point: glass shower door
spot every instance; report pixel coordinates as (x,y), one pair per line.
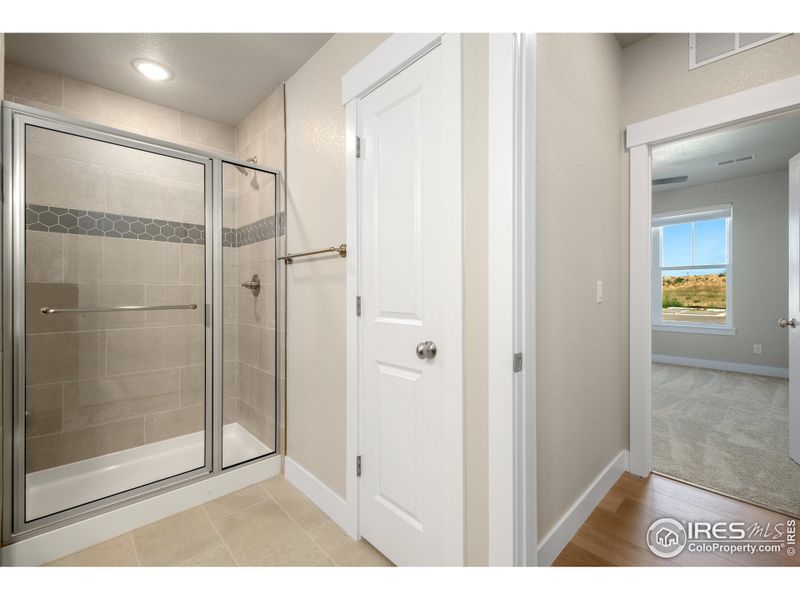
(115,387)
(251,227)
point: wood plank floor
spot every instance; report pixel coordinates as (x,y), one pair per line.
(614,534)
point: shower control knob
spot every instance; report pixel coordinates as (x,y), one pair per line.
(426,350)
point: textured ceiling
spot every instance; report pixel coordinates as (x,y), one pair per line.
(221,77)
(774,141)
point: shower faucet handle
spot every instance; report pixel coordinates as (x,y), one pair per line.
(254,285)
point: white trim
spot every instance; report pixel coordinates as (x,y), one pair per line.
(761,101)
(396,53)
(392,56)
(501,302)
(63,541)
(511,327)
(640,308)
(352,320)
(453,380)
(328,501)
(772,97)
(701,329)
(693,215)
(566,528)
(719,365)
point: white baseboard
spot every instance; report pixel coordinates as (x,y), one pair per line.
(720,365)
(55,544)
(558,537)
(328,501)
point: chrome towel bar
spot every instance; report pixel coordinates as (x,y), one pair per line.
(341,250)
(51,311)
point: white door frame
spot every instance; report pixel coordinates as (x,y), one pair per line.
(760,101)
(513,536)
(396,53)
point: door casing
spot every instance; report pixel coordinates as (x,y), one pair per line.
(758,102)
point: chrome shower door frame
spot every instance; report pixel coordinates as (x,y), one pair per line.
(15,118)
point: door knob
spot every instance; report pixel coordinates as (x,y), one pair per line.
(787,323)
(426,350)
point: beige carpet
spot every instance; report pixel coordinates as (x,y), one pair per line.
(726,431)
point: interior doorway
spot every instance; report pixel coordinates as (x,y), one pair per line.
(720,256)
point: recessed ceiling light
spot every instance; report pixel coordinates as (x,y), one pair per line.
(152,70)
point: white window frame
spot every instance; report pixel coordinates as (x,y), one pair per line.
(694,215)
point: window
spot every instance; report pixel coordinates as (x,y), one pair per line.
(692,270)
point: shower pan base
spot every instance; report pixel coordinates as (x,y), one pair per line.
(59,488)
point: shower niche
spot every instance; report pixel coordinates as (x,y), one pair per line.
(137,357)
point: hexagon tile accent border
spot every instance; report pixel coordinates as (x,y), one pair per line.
(55,219)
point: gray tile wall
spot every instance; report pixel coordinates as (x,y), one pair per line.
(261,134)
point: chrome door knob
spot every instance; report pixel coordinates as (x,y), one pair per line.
(787,323)
(426,350)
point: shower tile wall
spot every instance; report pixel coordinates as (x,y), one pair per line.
(248,370)
(262,135)
(145,386)
(53,92)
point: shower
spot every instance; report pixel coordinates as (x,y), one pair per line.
(135,362)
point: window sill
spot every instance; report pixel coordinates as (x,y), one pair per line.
(704,329)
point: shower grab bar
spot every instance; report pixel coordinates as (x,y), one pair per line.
(50,311)
(341,250)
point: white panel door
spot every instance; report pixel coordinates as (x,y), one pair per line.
(794,308)
(404,496)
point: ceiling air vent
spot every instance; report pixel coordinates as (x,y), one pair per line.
(705,48)
(736,161)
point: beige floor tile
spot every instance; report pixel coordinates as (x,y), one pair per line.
(175,539)
(263,535)
(294,502)
(227,505)
(116,552)
(344,550)
(218,556)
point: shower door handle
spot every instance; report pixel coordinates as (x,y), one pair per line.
(89,309)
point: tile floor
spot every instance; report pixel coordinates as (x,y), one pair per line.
(268,524)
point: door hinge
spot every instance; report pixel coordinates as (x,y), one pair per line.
(359,143)
(518,362)
(358,466)
(358,306)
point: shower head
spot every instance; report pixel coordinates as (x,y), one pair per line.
(242,170)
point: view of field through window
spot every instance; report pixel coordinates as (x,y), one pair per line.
(694,272)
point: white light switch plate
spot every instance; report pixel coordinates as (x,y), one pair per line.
(599,292)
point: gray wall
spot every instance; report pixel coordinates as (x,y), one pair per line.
(582,409)
(315,217)
(760,267)
(316,428)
